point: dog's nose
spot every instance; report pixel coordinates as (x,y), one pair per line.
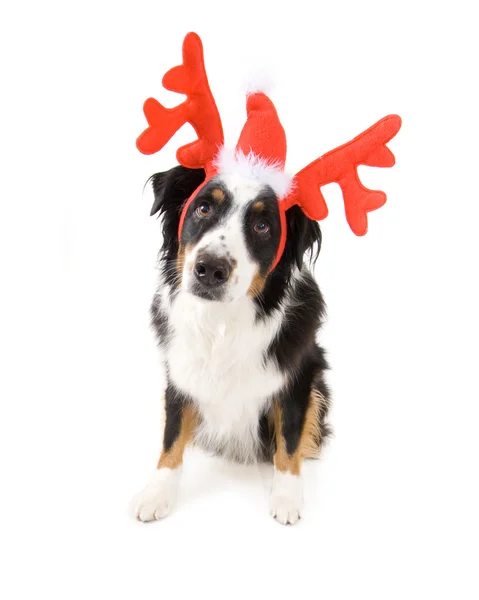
(212,271)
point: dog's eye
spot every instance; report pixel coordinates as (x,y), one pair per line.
(261,227)
(203,209)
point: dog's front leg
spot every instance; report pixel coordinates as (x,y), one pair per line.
(298,425)
(286,501)
(156,500)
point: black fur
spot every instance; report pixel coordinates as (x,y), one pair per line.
(295,399)
(263,247)
(303,237)
(194,226)
(174,403)
(295,348)
(171,190)
(298,332)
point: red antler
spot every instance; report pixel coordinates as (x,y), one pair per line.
(340,166)
(199,109)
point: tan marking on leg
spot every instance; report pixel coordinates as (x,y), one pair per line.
(310,440)
(257,285)
(218,195)
(282,460)
(173,458)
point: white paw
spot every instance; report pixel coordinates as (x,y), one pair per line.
(286,502)
(156,500)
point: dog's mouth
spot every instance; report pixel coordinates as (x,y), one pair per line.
(205,293)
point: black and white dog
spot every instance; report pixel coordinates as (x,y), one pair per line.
(245,374)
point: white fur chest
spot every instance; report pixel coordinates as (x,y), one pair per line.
(216,355)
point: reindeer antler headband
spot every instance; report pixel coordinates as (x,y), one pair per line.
(261,149)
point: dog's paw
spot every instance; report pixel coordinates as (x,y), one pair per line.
(156,500)
(286,502)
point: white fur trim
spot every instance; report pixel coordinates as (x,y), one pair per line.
(251,166)
(258,80)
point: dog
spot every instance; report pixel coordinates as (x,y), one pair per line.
(245,374)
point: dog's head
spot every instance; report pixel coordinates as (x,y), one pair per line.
(230,234)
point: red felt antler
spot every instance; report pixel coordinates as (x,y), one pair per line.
(199,109)
(340,166)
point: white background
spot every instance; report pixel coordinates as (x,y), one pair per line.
(392,508)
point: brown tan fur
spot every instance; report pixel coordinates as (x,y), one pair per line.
(309,442)
(183,252)
(218,195)
(174,457)
(257,285)
(311,438)
(180,262)
(258,206)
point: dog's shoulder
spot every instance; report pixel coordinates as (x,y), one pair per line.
(302,315)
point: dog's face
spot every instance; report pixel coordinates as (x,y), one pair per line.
(229,239)
(230,235)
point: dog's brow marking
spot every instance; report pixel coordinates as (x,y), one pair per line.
(258,206)
(218,195)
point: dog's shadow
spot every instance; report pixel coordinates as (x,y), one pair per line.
(205,475)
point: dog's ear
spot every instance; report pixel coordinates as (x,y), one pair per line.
(303,235)
(171,190)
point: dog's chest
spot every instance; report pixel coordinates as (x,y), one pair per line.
(216,355)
